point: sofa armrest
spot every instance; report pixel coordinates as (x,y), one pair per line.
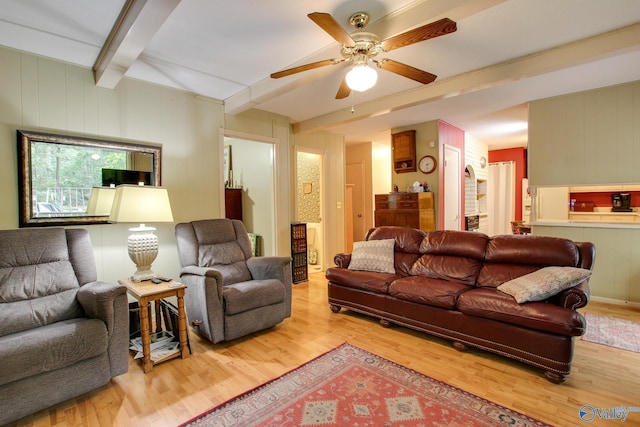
(98,301)
(203,300)
(199,276)
(573,298)
(201,271)
(274,267)
(270,267)
(108,302)
(342,260)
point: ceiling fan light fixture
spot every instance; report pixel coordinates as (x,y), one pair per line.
(361,77)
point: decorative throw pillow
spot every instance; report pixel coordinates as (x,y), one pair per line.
(543,283)
(373,255)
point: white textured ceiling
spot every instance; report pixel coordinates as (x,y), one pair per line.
(504,54)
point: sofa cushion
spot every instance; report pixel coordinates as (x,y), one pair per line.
(244,296)
(544,283)
(38,284)
(228,259)
(407,247)
(455,243)
(457,269)
(492,304)
(451,255)
(425,290)
(510,256)
(408,240)
(224,247)
(364,280)
(34,263)
(373,255)
(23,315)
(51,347)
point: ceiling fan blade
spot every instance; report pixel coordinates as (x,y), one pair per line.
(305,67)
(406,71)
(331,26)
(344,90)
(426,32)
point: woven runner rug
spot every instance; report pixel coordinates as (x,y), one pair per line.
(349,386)
(620,333)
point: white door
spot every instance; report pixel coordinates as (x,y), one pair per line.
(452,203)
(355,177)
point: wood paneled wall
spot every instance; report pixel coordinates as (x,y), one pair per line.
(592,138)
(616,269)
(586,138)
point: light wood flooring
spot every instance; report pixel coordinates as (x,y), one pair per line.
(178,390)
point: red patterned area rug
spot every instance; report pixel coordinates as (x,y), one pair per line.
(620,333)
(349,386)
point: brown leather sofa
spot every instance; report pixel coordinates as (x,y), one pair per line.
(445,284)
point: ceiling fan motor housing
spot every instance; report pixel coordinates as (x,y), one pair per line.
(359,20)
(365,44)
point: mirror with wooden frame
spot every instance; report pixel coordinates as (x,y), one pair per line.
(58,173)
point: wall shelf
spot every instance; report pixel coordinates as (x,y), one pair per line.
(403,149)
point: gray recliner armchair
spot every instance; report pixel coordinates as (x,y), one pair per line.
(230,293)
(62,332)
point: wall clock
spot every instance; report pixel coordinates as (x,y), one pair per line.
(483,162)
(427,164)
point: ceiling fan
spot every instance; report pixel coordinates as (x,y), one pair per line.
(362,47)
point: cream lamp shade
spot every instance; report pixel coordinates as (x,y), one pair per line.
(100,201)
(141,204)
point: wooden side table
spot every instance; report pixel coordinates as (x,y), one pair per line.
(147,291)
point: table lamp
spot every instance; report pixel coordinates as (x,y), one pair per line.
(141,204)
(100,201)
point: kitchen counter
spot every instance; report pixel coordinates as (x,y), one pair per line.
(605,217)
(584,223)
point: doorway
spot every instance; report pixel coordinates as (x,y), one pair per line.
(452,172)
(355,177)
(248,166)
(502,194)
(310,204)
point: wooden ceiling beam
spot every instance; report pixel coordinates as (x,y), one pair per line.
(136,25)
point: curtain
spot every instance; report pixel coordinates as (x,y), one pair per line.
(501,197)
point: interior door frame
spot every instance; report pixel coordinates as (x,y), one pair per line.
(228,133)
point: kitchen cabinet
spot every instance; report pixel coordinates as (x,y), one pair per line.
(413,210)
(553,203)
(403,149)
